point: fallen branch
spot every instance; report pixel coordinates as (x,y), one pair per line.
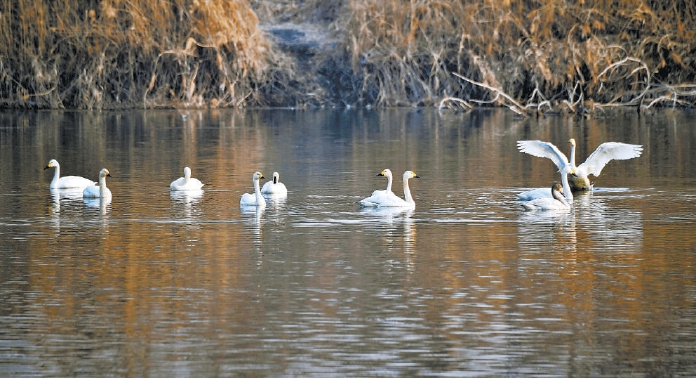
(516,107)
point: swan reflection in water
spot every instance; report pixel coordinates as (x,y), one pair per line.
(103,204)
(252,218)
(388,220)
(187,201)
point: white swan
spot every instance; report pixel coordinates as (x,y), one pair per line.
(275,188)
(380,195)
(390,199)
(66,182)
(594,164)
(186,182)
(255,199)
(556,202)
(99,191)
(566,173)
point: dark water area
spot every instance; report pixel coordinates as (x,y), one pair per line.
(468,284)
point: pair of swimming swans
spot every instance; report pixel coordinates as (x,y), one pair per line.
(90,189)
(273,189)
(386,198)
(579,175)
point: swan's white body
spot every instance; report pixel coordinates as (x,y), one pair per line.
(533,194)
(186,182)
(594,164)
(385,198)
(99,191)
(255,199)
(275,188)
(380,195)
(66,182)
(556,202)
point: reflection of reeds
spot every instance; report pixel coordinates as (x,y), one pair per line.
(192,53)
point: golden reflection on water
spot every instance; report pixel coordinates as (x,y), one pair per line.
(165,283)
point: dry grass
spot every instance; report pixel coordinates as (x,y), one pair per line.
(122,53)
(544,54)
(531,56)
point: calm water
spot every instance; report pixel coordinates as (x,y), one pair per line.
(468,284)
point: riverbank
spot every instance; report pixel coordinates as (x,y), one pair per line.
(531,57)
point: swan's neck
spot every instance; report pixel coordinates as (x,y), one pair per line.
(257,193)
(572,155)
(566,187)
(557,196)
(407,193)
(275,179)
(102,186)
(56,176)
(187,177)
(389,183)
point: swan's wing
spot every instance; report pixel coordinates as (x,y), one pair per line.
(543,149)
(607,152)
(534,194)
(382,198)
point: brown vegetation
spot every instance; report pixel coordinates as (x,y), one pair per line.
(529,56)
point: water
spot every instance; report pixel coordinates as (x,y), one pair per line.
(468,284)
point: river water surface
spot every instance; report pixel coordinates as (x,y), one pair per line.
(467,284)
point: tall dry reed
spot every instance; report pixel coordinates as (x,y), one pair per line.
(530,56)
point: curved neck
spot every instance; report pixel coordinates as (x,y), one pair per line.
(102,185)
(557,196)
(56,176)
(257,191)
(566,187)
(407,192)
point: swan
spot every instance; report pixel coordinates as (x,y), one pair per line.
(275,188)
(390,199)
(556,202)
(566,173)
(186,182)
(255,199)
(66,182)
(378,195)
(594,164)
(99,191)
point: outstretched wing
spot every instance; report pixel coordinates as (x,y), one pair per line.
(607,152)
(545,150)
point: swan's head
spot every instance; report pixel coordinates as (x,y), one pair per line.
(104,173)
(257,176)
(187,172)
(52,164)
(385,173)
(572,141)
(276,177)
(410,175)
(557,191)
